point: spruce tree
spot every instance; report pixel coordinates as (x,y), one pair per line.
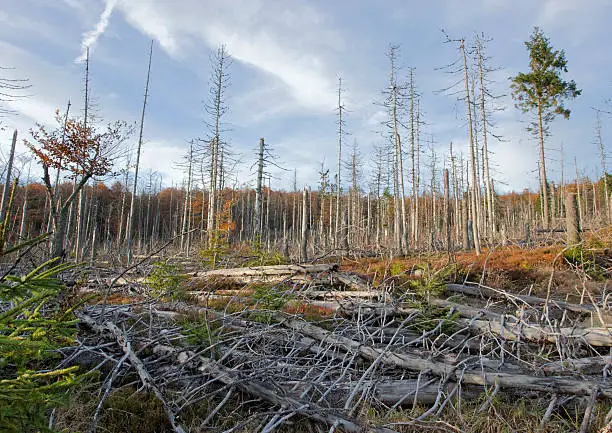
(542,92)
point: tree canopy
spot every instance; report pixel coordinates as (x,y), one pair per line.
(543,88)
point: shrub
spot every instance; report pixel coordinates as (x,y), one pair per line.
(260,256)
(166,278)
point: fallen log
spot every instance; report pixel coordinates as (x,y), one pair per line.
(531,300)
(522,331)
(590,365)
(391,392)
(308,294)
(281,398)
(562,385)
(267,271)
(512,329)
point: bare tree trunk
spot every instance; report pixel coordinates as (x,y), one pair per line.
(305,227)
(447,213)
(218,109)
(572,220)
(464,222)
(474,195)
(339,177)
(135,185)
(418,174)
(543,178)
(398,170)
(258,190)
(186,208)
(7,183)
(579,199)
(485,151)
(604,175)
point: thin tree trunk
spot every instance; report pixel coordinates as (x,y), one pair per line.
(339,172)
(135,185)
(258,205)
(305,220)
(7,183)
(475,203)
(543,179)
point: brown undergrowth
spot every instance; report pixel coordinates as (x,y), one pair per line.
(510,268)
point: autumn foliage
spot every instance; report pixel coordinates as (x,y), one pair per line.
(79,149)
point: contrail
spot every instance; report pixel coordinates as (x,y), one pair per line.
(91,37)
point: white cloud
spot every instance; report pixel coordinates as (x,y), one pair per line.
(90,38)
(288,42)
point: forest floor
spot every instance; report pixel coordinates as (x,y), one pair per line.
(514,339)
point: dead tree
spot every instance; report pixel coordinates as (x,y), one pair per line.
(604,173)
(216,108)
(341,132)
(305,226)
(394,105)
(572,219)
(9,173)
(475,204)
(138,149)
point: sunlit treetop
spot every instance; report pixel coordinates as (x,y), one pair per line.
(543,87)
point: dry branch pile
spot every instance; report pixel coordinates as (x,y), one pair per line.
(396,350)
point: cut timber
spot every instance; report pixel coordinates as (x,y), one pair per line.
(531,300)
(562,385)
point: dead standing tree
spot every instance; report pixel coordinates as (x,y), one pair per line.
(461,67)
(216,108)
(485,108)
(394,103)
(265,158)
(341,133)
(135,185)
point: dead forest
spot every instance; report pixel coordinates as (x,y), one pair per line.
(408,295)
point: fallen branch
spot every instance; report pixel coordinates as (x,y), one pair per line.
(412,362)
(138,365)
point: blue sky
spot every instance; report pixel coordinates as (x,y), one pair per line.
(288,55)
